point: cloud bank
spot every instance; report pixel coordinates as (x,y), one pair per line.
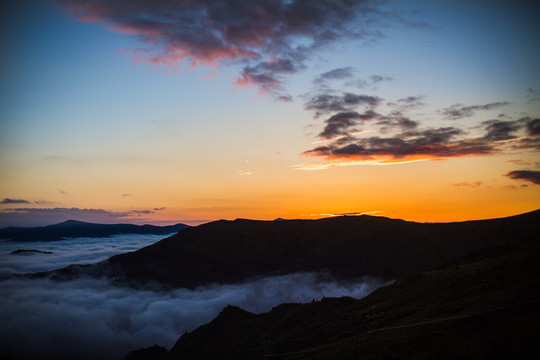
(91,319)
(66,252)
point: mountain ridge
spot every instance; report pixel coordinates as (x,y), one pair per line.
(348,247)
(76,228)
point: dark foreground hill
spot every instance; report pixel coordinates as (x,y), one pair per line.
(486,305)
(74,229)
(348,247)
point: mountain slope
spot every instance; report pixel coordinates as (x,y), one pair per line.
(233,251)
(73,229)
(484,305)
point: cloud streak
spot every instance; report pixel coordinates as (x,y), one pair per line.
(459,111)
(66,252)
(14,201)
(270,38)
(47,216)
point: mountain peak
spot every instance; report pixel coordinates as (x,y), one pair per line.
(72,222)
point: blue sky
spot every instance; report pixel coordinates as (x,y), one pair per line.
(88,124)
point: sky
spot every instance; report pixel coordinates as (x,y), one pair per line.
(191,111)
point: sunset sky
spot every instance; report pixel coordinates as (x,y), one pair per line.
(190,111)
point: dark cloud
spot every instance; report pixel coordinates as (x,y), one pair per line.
(402,138)
(371,82)
(533,127)
(160,209)
(379,78)
(326,103)
(497,130)
(459,111)
(267,76)
(211,32)
(348,74)
(285,98)
(336,74)
(426,144)
(525,175)
(342,123)
(47,216)
(522,134)
(396,120)
(14,201)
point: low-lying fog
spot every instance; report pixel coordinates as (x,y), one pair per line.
(90,318)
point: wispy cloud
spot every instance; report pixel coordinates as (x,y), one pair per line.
(355,213)
(459,111)
(14,201)
(467,184)
(326,103)
(269,38)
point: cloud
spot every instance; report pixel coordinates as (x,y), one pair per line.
(533,95)
(14,201)
(378,78)
(47,216)
(326,103)
(66,252)
(253,33)
(92,319)
(348,77)
(467,184)
(533,127)
(459,111)
(431,144)
(335,74)
(498,130)
(525,175)
(403,139)
(342,123)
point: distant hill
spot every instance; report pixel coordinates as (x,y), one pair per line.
(348,247)
(74,229)
(482,306)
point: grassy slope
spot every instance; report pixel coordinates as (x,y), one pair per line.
(485,305)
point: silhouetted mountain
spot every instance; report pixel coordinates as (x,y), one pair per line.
(74,229)
(348,247)
(29,252)
(482,306)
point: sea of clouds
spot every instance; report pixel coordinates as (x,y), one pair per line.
(91,318)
